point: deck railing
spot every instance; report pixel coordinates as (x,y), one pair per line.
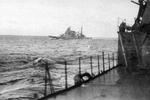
(95,65)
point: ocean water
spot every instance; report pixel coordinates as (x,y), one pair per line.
(21,78)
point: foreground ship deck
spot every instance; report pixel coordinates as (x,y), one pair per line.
(111,86)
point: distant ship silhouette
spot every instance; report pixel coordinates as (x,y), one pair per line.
(69,34)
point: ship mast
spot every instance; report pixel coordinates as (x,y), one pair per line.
(81,30)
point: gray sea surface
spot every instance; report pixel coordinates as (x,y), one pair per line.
(20,78)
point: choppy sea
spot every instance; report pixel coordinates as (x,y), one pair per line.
(20,78)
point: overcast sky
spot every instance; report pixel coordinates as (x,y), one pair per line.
(52,17)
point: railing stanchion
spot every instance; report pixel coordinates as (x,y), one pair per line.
(66,80)
(49,79)
(113,59)
(98,64)
(117,58)
(103,61)
(109,61)
(91,65)
(45,90)
(79,65)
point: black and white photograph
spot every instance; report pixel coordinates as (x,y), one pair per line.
(74,49)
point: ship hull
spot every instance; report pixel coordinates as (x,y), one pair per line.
(134,50)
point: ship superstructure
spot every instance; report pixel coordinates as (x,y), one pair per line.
(134,41)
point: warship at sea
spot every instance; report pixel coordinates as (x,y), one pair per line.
(70,34)
(80,74)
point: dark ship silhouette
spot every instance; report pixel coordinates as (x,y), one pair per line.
(69,34)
